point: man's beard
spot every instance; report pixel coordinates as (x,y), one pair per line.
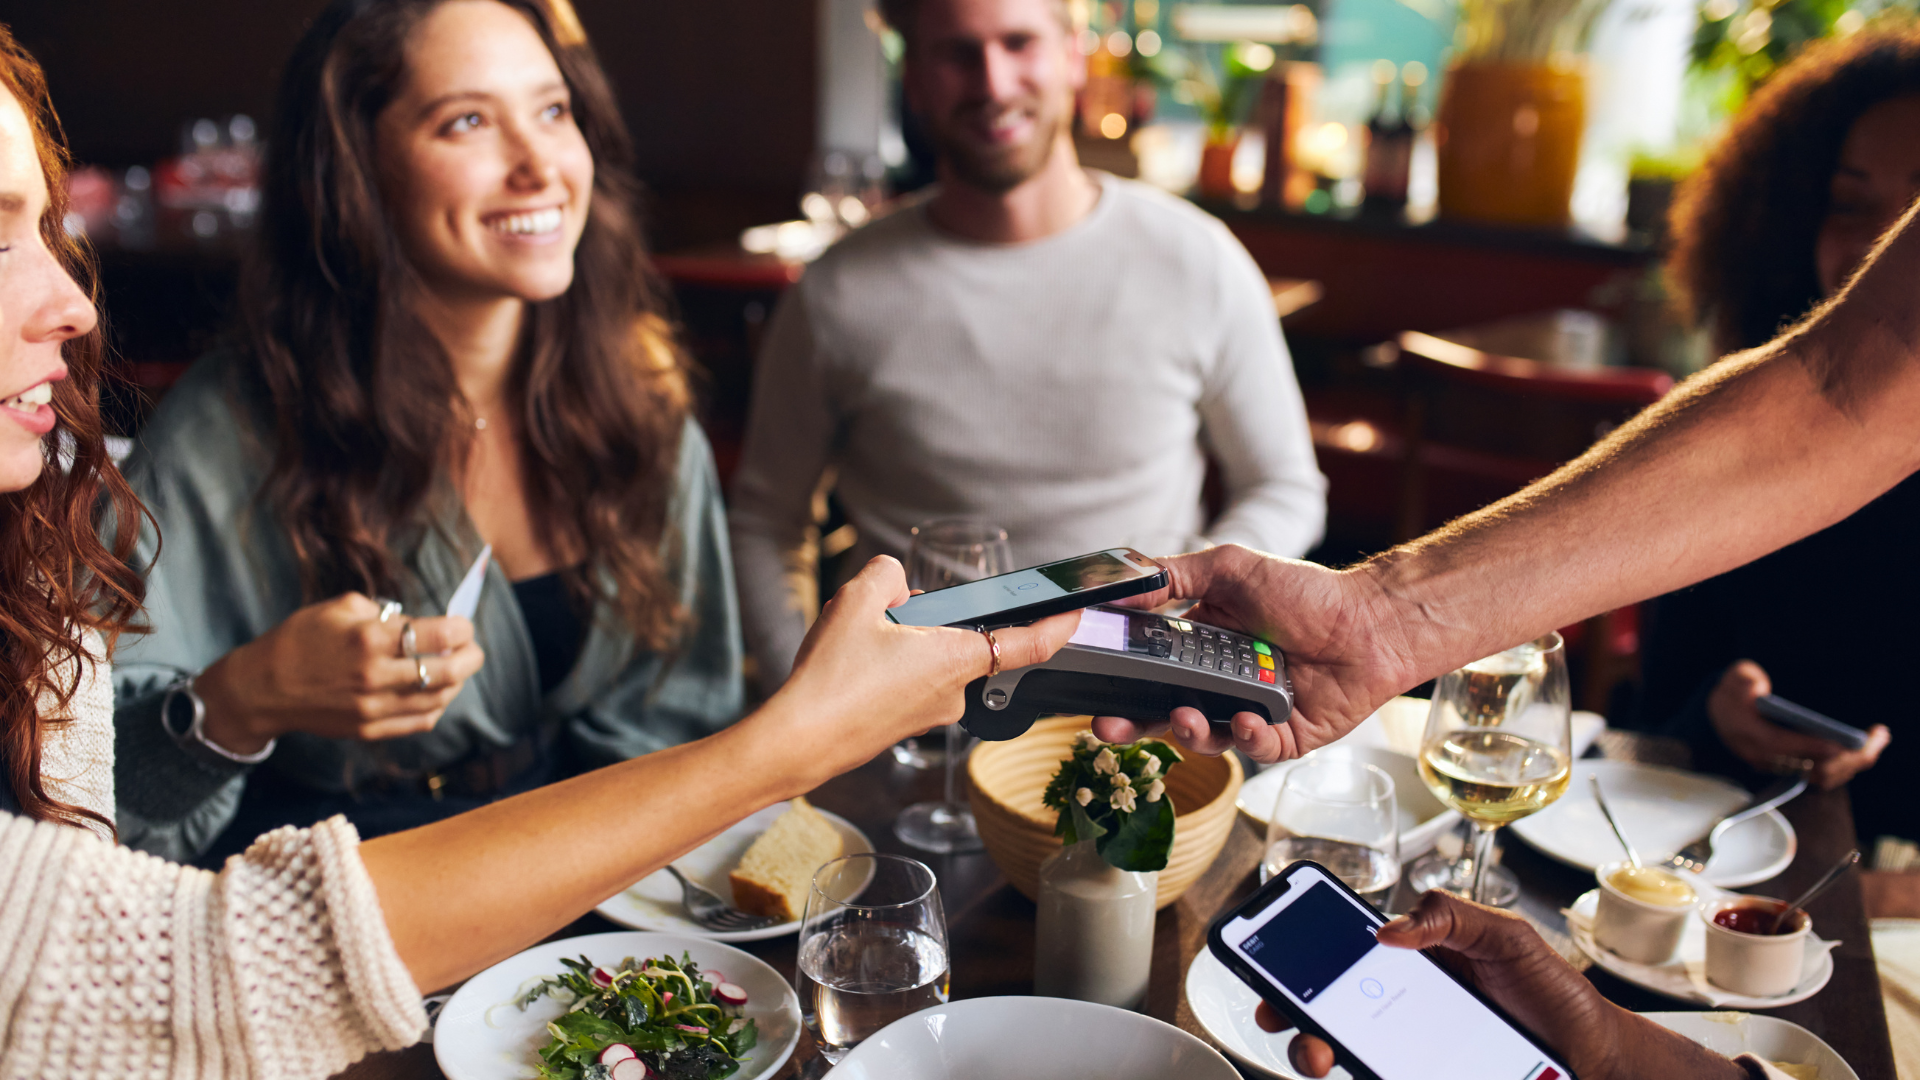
(1000,169)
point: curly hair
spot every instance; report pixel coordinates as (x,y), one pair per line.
(58,579)
(365,408)
(1746,224)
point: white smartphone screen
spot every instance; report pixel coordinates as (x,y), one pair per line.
(990,597)
(1394,1009)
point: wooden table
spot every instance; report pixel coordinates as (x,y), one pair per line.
(991,926)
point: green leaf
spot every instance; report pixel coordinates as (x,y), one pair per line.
(743,1039)
(1143,839)
(1077,825)
(1169,757)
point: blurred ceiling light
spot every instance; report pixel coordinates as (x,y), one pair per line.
(1148,43)
(816,206)
(1146,12)
(1113,125)
(1384,71)
(1329,137)
(1716,10)
(1119,43)
(1278,24)
(1089,41)
(1355,435)
(853,211)
(1414,74)
(1849,22)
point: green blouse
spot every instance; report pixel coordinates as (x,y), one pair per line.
(226,574)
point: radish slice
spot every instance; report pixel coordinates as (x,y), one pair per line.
(631,1069)
(602,978)
(666,998)
(712,978)
(692,1027)
(615,1054)
(728,994)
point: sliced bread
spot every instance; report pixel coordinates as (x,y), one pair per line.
(774,875)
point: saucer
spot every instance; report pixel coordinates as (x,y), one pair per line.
(1685,976)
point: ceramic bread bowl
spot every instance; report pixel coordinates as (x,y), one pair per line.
(1009,778)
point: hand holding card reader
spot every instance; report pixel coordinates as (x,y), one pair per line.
(1139,666)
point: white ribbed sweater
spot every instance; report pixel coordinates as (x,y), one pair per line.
(115,964)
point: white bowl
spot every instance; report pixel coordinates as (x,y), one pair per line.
(1422,817)
(1031,1036)
(1636,929)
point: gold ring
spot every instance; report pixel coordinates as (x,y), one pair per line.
(388,609)
(421,666)
(994,644)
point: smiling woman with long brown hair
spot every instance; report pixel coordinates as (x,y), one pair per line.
(453,339)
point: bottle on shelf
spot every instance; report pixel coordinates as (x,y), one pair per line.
(1390,136)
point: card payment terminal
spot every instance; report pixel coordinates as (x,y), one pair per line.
(1136,665)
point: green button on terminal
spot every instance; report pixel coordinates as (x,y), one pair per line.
(1262,648)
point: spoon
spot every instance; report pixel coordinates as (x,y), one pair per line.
(1819,887)
(1633,857)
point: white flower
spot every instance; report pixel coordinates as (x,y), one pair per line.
(1152,767)
(1155,790)
(1105,763)
(1121,781)
(1086,740)
(1083,796)
(1122,799)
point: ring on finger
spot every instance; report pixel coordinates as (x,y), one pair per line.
(409,645)
(420,665)
(388,609)
(994,644)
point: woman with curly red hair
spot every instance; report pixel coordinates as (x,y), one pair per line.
(1825,158)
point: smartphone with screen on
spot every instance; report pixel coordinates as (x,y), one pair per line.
(1034,593)
(1305,943)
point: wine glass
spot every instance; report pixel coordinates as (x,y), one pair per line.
(1341,814)
(873,948)
(1499,746)
(950,551)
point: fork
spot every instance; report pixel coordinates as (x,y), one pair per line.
(712,913)
(1697,854)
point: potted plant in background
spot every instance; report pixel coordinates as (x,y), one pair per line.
(1513,109)
(1220,96)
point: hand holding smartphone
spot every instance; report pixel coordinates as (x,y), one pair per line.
(1305,942)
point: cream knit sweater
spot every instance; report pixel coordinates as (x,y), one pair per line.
(76,755)
(115,964)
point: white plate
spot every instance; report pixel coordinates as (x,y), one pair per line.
(654,903)
(1031,1037)
(1224,1007)
(1400,723)
(1767,1037)
(470,1044)
(1422,817)
(1661,810)
(1685,976)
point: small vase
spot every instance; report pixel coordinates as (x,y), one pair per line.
(1216,167)
(1095,929)
(1509,142)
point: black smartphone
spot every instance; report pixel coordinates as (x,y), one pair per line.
(1779,710)
(1305,943)
(1036,592)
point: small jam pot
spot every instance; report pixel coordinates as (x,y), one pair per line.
(1756,964)
(1641,913)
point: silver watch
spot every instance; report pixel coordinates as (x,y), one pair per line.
(184,714)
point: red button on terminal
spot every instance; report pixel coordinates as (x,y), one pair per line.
(1266,676)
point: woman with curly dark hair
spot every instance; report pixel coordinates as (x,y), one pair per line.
(1824,159)
(453,340)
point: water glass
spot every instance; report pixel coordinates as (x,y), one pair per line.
(873,948)
(1339,813)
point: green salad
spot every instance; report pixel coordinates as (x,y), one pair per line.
(661,1018)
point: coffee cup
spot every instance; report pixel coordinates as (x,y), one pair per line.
(1641,912)
(1744,960)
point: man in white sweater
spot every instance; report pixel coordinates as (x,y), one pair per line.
(1054,350)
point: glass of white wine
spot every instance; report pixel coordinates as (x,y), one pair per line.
(1340,813)
(1499,744)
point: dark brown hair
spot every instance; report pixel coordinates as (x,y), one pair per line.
(367,424)
(1746,224)
(900,14)
(57,578)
